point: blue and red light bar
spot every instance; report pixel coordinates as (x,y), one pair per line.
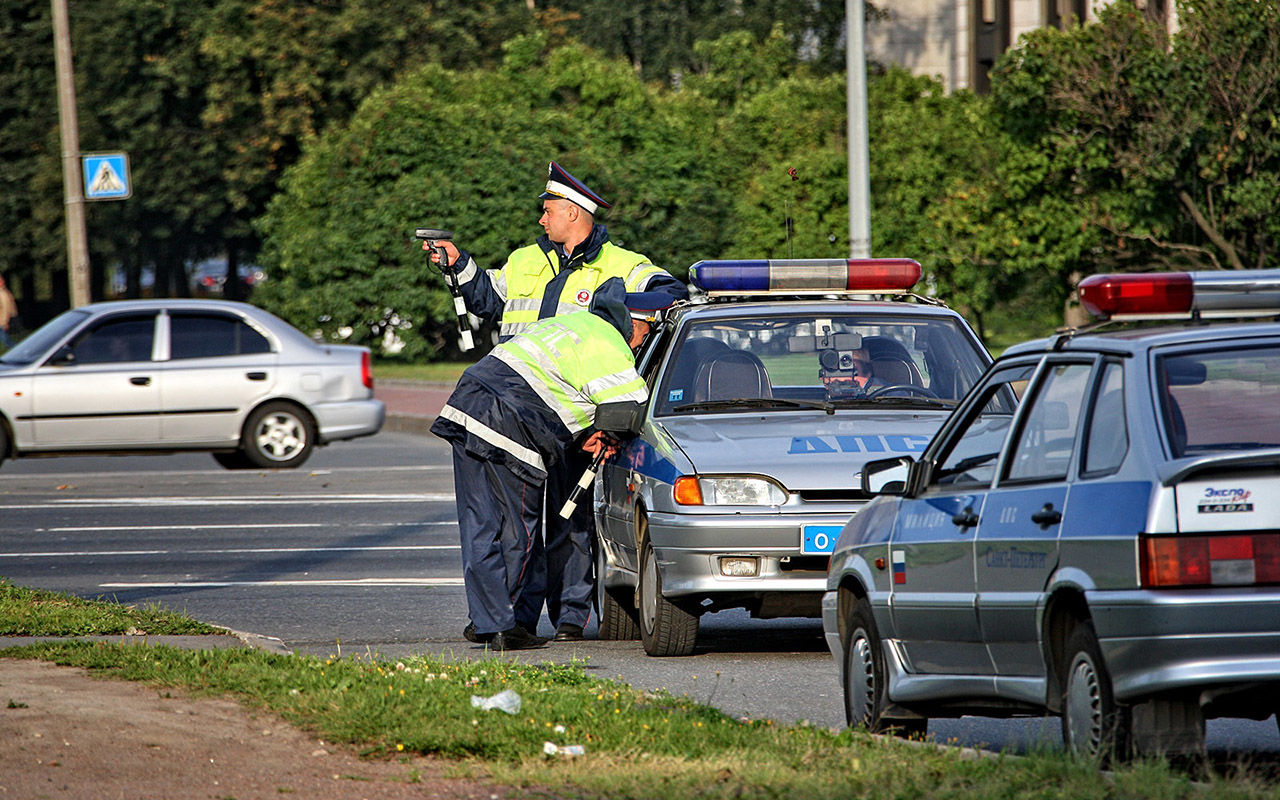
(1172,294)
(871,275)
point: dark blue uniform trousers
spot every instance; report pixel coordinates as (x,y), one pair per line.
(500,517)
(569,565)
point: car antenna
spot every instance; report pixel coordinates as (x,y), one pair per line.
(790,222)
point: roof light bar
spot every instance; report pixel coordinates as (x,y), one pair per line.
(1166,294)
(872,275)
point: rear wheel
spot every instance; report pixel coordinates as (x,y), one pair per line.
(4,443)
(666,628)
(616,607)
(277,435)
(865,682)
(1093,726)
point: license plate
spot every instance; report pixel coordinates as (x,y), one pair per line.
(818,540)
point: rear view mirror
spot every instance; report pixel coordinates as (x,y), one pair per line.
(623,416)
(831,341)
(886,476)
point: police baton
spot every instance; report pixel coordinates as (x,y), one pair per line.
(435,236)
(584,483)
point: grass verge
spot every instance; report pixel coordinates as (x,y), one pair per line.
(33,612)
(637,744)
(443,372)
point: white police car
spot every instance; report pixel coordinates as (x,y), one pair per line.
(769,390)
(1095,532)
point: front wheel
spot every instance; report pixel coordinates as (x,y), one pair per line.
(277,435)
(618,618)
(666,629)
(865,682)
(1093,726)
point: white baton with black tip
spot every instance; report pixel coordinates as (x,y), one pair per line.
(584,483)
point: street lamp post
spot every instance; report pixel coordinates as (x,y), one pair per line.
(859,177)
(73,194)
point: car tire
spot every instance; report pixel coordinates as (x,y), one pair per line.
(4,443)
(1093,726)
(615,608)
(666,629)
(277,435)
(865,680)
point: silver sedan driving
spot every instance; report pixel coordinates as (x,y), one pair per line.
(152,376)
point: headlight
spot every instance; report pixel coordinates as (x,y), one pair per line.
(692,490)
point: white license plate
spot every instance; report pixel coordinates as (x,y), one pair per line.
(816,540)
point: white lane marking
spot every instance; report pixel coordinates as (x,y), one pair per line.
(337,582)
(250,500)
(229,551)
(221,473)
(240,526)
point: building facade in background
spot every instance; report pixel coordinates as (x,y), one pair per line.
(958,41)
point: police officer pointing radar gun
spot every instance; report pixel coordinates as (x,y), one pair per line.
(511,420)
(556,275)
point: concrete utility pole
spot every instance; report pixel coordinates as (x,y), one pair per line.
(859,172)
(73,193)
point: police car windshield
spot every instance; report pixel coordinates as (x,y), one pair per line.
(1220,400)
(786,362)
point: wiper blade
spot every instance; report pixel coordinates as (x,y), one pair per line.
(753,402)
(930,402)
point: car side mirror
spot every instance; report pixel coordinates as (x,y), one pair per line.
(622,416)
(887,476)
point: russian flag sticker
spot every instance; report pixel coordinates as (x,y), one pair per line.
(899,566)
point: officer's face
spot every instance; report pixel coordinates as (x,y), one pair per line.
(639,330)
(557,218)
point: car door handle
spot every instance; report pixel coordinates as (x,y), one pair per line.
(141,380)
(256,376)
(966,518)
(1047,516)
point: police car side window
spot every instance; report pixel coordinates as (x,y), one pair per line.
(1048,434)
(1108,439)
(975,449)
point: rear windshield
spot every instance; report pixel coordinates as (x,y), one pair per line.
(1220,400)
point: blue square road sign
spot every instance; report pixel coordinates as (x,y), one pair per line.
(106,176)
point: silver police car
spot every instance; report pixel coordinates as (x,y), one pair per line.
(167,375)
(1092,534)
(769,390)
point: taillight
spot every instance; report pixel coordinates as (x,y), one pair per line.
(366,371)
(1240,559)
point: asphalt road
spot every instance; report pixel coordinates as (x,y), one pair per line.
(357,554)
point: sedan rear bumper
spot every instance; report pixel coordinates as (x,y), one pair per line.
(1188,639)
(349,420)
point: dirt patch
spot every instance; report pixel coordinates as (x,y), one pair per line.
(65,734)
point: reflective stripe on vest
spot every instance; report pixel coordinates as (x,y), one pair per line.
(573,363)
(504,443)
(529,270)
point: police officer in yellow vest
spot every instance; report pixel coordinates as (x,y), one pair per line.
(512,418)
(557,275)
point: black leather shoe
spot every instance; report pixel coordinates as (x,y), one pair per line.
(469,633)
(568,632)
(516,639)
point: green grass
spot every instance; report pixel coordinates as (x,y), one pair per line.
(638,744)
(32,612)
(398,370)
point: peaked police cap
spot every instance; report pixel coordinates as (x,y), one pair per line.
(563,186)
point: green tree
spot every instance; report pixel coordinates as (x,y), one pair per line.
(1125,149)
(467,150)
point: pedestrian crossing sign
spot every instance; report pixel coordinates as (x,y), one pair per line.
(106,176)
